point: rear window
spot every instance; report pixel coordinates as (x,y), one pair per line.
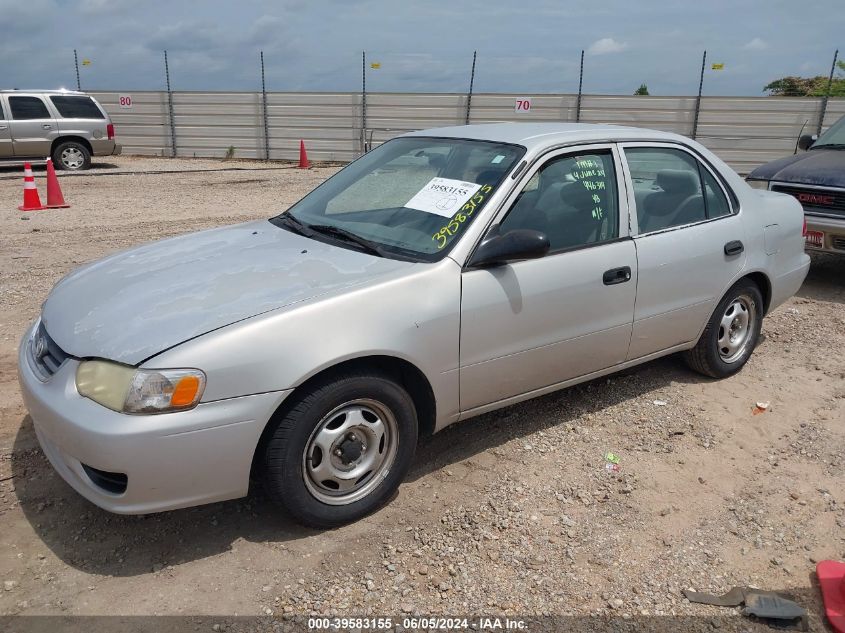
(77,107)
(24,108)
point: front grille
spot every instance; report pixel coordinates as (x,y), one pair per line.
(839,243)
(45,354)
(817,201)
(114,483)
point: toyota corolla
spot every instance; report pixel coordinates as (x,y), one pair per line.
(442,275)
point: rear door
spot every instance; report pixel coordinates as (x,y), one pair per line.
(5,135)
(32,126)
(80,115)
(533,324)
(689,240)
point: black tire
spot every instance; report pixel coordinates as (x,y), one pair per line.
(286,473)
(711,358)
(72,156)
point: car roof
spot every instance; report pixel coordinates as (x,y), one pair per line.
(532,135)
(41,91)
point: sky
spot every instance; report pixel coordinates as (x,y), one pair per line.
(528,47)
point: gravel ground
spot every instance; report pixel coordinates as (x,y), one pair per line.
(512,513)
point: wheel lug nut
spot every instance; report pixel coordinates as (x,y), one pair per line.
(338,452)
(352,437)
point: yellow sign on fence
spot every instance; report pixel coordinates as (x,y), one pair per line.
(86,62)
(375,65)
(718,67)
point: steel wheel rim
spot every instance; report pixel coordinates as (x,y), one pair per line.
(736,328)
(350,452)
(72,158)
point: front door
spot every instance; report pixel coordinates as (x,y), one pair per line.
(32,126)
(689,245)
(532,324)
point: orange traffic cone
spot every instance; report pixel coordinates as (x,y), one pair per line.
(31,201)
(303,156)
(55,199)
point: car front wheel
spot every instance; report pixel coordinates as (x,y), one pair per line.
(341,450)
(731,334)
(72,156)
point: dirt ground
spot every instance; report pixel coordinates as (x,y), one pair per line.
(512,513)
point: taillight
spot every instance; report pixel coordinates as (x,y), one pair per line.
(110,131)
(804,230)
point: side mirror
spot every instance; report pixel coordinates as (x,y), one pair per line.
(498,249)
(806,140)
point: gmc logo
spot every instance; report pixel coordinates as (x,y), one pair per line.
(815,198)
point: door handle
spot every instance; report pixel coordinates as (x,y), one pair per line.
(734,248)
(3,127)
(46,126)
(617,276)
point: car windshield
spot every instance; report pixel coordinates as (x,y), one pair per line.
(410,198)
(834,137)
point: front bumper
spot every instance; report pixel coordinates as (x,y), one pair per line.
(171,460)
(834,234)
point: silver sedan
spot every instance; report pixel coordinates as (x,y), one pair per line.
(445,274)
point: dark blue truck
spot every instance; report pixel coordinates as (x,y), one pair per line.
(817,179)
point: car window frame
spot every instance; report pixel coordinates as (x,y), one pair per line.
(524,175)
(103,115)
(44,102)
(730,196)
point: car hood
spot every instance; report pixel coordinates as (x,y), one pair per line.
(823,167)
(137,303)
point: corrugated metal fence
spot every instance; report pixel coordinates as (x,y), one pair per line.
(744,131)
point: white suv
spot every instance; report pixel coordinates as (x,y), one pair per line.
(70,127)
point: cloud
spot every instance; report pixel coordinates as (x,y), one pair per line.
(103,6)
(756,45)
(605,46)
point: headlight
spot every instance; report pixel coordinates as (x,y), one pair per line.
(130,390)
(758,184)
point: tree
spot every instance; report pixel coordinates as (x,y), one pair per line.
(808,86)
(642,90)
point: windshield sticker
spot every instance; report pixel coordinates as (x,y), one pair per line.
(443,196)
(466,211)
(498,159)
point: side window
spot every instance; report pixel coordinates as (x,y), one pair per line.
(2,115)
(76,107)
(572,199)
(672,188)
(24,108)
(667,187)
(714,198)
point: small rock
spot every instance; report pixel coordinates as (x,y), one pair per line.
(8,585)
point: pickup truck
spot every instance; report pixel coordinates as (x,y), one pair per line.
(816,178)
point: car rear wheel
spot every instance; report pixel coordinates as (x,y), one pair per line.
(72,156)
(731,334)
(341,450)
